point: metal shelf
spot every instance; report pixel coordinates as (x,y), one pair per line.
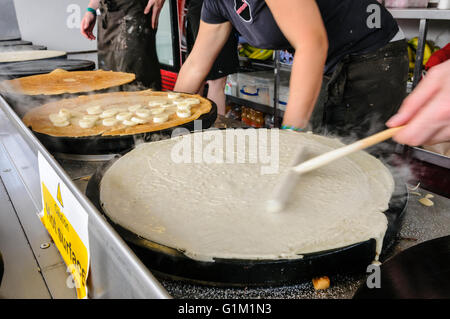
(257,106)
(425,13)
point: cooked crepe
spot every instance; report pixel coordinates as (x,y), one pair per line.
(39,119)
(29,55)
(218,210)
(61,81)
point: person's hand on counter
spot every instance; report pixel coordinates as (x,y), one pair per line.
(90,18)
(426,111)
(155,7)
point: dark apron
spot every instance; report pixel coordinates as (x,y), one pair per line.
(362,92)
(126,41)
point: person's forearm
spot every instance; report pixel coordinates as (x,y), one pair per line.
(191,77)
(305,84)
(94,4)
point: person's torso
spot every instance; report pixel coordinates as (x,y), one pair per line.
(352,26)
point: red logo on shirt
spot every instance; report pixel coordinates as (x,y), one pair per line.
(243,9)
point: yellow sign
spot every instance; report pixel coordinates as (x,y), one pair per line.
(69,244)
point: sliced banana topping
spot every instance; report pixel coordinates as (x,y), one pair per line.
(94,110)
(184,106)
(85,123)
(160,118)
(192,100)
(65,113)
(129,123)
(184,113)
(108,113)
(111,121)
(62,124)
(143,113)
(173,95)
(57,118)
(134,108)
(178,101)
(124,116)
(157,103)
(90,117)
(138,120)
(157,110)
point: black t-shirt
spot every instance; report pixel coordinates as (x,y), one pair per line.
(353,26)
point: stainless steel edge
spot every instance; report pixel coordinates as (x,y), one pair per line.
(423,13)
(115,271)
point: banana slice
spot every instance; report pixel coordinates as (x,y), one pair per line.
(65,113)
(173,95)
(138,120)
(85,123)
(184,106)
(178,101)
(157,110)
(94,110)
(157,103)
(108,113)
(90,117)
(129,123)
(62,124)
(192,100)
(134,108)
(57,118)
(184,113)
(111,121)
(124,116)
(143,113)
(160,118)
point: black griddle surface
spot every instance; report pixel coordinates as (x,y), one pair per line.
(35,67)
(22,48)
(422,271)
(14,42)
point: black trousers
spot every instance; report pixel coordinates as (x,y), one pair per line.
(126,41)
(362,93)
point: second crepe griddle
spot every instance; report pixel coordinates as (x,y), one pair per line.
(173,264)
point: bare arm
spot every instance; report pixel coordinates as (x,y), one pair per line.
(426,111)
(302,25)
(155,6)
(88,22)
(210,40)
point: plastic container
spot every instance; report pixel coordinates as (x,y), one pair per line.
(255,86)
(231,86)
(406,3)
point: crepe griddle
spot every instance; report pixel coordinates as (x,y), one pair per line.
(13,70)
(97,145)
(9,43)
(22,48)
(173,264)
(422,271)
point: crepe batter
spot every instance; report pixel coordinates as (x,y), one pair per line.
(218,210)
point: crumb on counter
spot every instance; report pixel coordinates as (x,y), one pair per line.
(321,283)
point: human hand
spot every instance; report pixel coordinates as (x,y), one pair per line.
(426,111)
(87,25)
(155,6)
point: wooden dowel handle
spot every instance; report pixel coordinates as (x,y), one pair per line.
(333,155)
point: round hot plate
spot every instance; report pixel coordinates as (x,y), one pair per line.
(422,271)
(96,145)
(172,263)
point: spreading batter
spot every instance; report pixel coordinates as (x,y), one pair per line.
(218,210)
